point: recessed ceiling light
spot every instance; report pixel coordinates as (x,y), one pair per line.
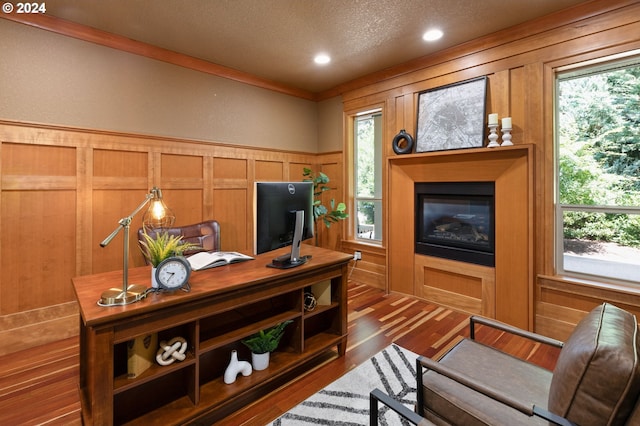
(322,59)
(432,35)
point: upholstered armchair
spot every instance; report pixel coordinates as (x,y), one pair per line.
(204,234)
(596,380)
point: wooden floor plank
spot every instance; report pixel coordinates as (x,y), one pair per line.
(39,386)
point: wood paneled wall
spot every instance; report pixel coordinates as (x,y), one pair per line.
(62,191)
(520,64)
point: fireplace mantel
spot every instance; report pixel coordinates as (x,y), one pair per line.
(503,292)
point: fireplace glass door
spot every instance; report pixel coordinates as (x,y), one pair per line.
(456,221)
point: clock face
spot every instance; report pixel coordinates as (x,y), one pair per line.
(173,273)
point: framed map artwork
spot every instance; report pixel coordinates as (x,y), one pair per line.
(452,117)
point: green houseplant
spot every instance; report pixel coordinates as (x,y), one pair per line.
(158,248)
(263,343)
(330,215)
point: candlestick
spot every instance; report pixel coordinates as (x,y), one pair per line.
(493,119)
(493,135)
(506,136)
(506,122)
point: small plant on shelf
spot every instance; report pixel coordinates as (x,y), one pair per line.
(263,343)
(266,340)
(162,246)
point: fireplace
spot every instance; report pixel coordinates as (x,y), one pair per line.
(455,220)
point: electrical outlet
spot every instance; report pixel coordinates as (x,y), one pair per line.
(357,255)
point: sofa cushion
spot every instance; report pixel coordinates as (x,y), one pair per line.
(447,402)
(597,376)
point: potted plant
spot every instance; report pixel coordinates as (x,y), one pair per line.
(263,343)
(336,213)
(162,246)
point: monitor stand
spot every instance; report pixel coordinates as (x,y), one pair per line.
(293,259)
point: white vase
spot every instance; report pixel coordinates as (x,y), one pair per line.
(260,361)
(154,283)
(236,367)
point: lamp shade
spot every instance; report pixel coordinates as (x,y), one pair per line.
(158,215)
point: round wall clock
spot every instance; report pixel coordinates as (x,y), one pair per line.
(173,273)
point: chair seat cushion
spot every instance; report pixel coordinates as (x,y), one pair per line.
(447,402)
(597,377)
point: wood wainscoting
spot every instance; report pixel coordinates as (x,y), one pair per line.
(63,190)
(503,292)
(561,302)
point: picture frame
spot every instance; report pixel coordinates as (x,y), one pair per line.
(452,117)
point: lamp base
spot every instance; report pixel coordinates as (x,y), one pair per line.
(117,297)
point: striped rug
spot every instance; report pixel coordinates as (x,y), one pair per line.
(345,402)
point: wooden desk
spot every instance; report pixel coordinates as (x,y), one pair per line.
(225,305)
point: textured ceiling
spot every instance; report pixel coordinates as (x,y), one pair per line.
(277,39)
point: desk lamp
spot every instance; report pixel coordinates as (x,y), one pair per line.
(157,215)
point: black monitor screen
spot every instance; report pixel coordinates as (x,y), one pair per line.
(276,204)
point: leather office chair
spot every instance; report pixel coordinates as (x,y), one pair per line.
(596,380)
(205,234)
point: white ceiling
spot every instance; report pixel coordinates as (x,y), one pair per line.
(277,39)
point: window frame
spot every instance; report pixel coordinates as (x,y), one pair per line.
(378,197)
(592,67)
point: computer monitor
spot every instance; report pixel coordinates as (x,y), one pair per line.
(283,217)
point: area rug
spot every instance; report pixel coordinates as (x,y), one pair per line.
(345,402)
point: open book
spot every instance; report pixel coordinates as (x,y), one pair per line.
(212,259)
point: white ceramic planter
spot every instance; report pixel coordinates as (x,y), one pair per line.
(260,361)
(154,283)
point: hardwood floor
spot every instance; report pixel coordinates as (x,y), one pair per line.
(40,385)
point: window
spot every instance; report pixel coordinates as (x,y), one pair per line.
(598,171)
(368,175)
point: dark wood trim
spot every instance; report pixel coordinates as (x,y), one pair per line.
(103,38)
(385,78)
(569,16)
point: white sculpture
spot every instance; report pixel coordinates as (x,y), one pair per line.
(236,367)
(172,351)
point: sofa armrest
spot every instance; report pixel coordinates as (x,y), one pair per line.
(510,329)
(496,394)
(411,416)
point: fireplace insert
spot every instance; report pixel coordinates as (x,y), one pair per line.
(455,220)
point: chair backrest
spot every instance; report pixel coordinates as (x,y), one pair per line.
(597,376)
(205,234)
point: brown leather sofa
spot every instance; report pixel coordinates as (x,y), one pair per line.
(205,234)
(596,380)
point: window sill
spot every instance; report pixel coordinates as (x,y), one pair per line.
(551,281)
(376,247)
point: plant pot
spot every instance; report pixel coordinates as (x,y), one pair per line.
(154,283)
(260,361)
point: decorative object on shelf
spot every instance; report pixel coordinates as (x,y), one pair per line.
(506,132)
(236,367)
(157,213)
(162,247)
(452,116)
(403,143)
(310,301)
(171,351)
(336,214)
(322,292)
(265,342)
(140,354)
(493,133)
